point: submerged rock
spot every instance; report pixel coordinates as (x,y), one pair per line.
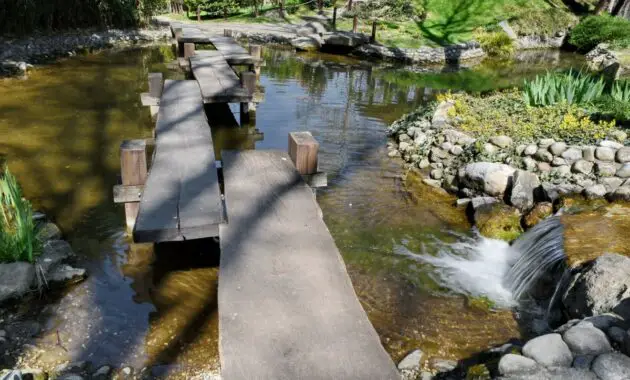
(15,279)
(307,43)
(498,221)
(48,231)
(537,214)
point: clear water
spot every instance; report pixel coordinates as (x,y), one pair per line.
(60,131)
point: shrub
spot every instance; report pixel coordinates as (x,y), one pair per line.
(570,88)
(594,30)
(18,240)
(543,21)
(389,9)
(609,108)
(495,44)
(506,113)
(621,91)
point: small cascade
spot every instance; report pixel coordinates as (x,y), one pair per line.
(540,250)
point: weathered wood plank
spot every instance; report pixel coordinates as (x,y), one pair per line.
(181,199)
(128,193)
(286,303)
(147,100)
(217,81)
(232,59)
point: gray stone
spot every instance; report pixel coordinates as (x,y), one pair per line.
(511,363)
(524,184)
(586,341)
(310,43)
(457,137)
(456,150)
(588,153)
(490,178)
(555,373)
(550,192)
(605,169)
(572,154)
(557,148)
(393,153)
(582,167)
(543,155)
(344,39)
(617,335)
(315,27)
(63,274)
(11,375)
(48,231)
(440,116)
(623,155)
(411,361)
(604,321)
(463,202)
(420,138)
(442,365)
(600,288)
(583,361)
(549,350)
(403,145)
(530,150)
(520,149)
(54,252)
(437,155)
(481,201)
(424,375)
(595,191)
(562,171)
(529,163)
(437,173)
(446,146)
(15,280)
(621,194)
(424,163)
(623,171)
(545,143)
(605,154)
(611,183)
(558,161)
(437,165)
(612,366)
(490,148)
(432,182)
(70,376)
(501,141)
(618,135)
(544,167)
(102,373)
(610,144)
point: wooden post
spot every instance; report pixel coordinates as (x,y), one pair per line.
(248,110)
(156,85)
(334,20)
(304,149)
(133,170)
(179,33)
(373,37)
(355,23)
(198,13)
(189,50)
(228,33)
(256,52)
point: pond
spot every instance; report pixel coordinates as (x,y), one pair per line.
(155,309)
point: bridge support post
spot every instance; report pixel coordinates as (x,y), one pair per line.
(228,33)
(304,151)
(179,33)
(133,171)
(256,52)
(156,85)
(189,50)
(248,110)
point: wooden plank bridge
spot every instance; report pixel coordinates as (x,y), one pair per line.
(287,308)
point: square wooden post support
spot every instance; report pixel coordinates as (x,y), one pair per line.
(304,150)
(133,170)
(248,110)
(156,86)
(189,50)
(179,33)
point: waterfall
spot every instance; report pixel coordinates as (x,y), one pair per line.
(478,266)
(540,250)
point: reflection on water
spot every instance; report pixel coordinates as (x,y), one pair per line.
(147,307)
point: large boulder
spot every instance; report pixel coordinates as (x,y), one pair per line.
(585,339)
(549,350)
(613,63)
(309,43)
(15,280)
(599,288)
(346,40)
(486,177)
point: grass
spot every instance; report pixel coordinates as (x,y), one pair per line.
(18,240)
(445,22)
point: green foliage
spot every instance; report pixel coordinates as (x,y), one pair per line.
(478,372)
(18,240)
(570,88)
(608,107)
(389,9)
(542,21)
(506,113)
(26,16)
(621,91)
(495,44)
(594,30)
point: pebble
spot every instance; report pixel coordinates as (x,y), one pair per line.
(612,366)
(545,143)
(456,150)
(511,363)
(582,167)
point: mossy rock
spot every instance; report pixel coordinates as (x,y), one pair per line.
(478,372)
(498,221)
(575,204)
(482,303)
(537,214)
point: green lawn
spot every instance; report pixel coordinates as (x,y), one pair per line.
(446,21)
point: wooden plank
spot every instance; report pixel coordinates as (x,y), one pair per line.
(286,302)
(133,171)
(231,59)
(303,149)
(181,200)
(218,82)
(147,100)
(316,180)
(128,193)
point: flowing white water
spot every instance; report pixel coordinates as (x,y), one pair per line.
(478,266)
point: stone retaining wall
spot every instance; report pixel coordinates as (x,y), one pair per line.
(458,163)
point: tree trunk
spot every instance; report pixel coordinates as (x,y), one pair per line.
(349,4)
(601,6)
(256,10)
(373,37)
(199,13)
(282,8)
(355,23)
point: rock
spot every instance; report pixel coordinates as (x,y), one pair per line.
(511,363)
(530,150)
(490,148)
(340,39)
(524,184)
(440,116)
(54,252)
(446,146)
(520,149)
(437,155)
(612,366)
(424,375)
(432,182)
(608,61)
(611,183)
(604,321)
(15,280)
(424,163)
(48,231)
(623,171)
(605,154)
(457,137)
(619,136)
(562,171)
(617,335)
(480,201)
(442,365)
(543,155)
(530,164)
(549,192)
(583,361)
(456,150)
(102,373)
(545,143)
(411,361)
(313,27)
(605,169)
(600,288)
(549,350)
(623,155)
(64,274)
(588,153)
(490,178)
(572,155)
(393,153)
(11,375)
(437,173)
(498,221)
(420,139)
(557,148)
(610,144)
(544,167)
(595,191)
(558,161)
(310,43)
(586,341)
(403,146)
(621,194)
(540,212)
(501,141)
(70,376)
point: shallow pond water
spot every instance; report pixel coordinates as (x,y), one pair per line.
(155,308)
